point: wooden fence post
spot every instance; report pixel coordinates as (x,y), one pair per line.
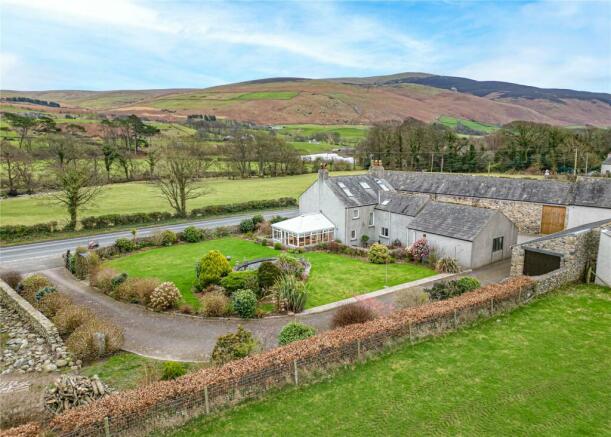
(106,427)
(358,349)
(411,339)
(455,320)
(207,402)
(491,305)
(296,372)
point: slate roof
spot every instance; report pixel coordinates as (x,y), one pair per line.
(405,204)
(525,190)
(452,220)
(360,195)
(594,192)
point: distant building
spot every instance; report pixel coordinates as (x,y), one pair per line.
(605,168)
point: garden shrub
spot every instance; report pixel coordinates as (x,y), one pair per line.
(102,279)
(30,285)
(257,218)
(118,280)
(264,228)
(165,296)
(172,370)
(277,219)
(433,257)
(81,263)
(51,303)
(234,281)
(420,249)
(167,238)
(192,234)
(212,267)
(467,283)
(290,265)
(215,304)
(12,278)
(40,294)
(364,240)
(234,346)
(268,273)
(447,265)
(277,245)
(222,231)
(93,263)
(295,331)
(83,343)
(71,317)
(244,303)
(351,314)
(292,291)
(125,245)
(246,226)
(378,254)
(411,298)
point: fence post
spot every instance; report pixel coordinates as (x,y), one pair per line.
(455,320)
(409,324)
(296,372)
(207,402)
(106,427)
(358,349)
(520,296)
(491,305)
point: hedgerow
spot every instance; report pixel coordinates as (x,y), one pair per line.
(139,401)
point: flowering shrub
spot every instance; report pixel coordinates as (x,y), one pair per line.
(290,265)
(378,254)
(165,296)
(420,249)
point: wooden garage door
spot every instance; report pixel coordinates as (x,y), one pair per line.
(552,219)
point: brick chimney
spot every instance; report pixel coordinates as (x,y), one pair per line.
(376,169)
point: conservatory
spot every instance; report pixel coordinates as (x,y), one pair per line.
(305,230)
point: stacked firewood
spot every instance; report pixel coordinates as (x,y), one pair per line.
(71,391)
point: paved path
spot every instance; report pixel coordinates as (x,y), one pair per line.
(45,255)
(185,338)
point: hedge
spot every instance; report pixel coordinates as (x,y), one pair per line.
(141,400)
(15,232)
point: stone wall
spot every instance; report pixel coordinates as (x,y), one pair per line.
(35,321)
(525,215)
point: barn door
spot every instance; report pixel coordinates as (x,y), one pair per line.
(552,219)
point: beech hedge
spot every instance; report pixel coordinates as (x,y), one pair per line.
(16,232)
(140,400)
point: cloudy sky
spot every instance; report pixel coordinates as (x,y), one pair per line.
(133,44)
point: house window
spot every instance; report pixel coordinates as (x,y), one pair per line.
(353,234)
(355,213)
(497,244)
(384,232)
(371,218)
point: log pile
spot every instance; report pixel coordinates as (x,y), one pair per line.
(71,391)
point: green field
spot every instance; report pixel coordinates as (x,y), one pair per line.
(347,132)
(269,95)
(332,278)
(142,197)
(452,122)
(542,370)
(311,148)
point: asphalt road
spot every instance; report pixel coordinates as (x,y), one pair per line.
(40,256)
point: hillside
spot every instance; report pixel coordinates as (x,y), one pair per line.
(348,101)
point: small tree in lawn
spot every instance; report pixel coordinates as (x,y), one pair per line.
(178,179)
(78,187)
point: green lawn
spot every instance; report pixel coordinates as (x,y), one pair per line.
(542,370)
(124,370)
(451,122)
(332,278)
(142,197)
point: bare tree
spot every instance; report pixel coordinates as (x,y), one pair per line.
(178,179)
(9,154)
(78,187)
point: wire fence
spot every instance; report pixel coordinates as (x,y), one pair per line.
(252,384)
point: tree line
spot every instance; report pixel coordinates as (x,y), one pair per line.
(518,146)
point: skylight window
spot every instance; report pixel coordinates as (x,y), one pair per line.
(348,192)
(386,202)
(341,185)
(365,185)
(382,185)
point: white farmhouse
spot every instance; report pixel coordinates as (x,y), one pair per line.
(605,168)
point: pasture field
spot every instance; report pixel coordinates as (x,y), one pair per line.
(350,133)
(134,197)
(542,369)
(332,278)
(269,95)
(452,122)
(311,148)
